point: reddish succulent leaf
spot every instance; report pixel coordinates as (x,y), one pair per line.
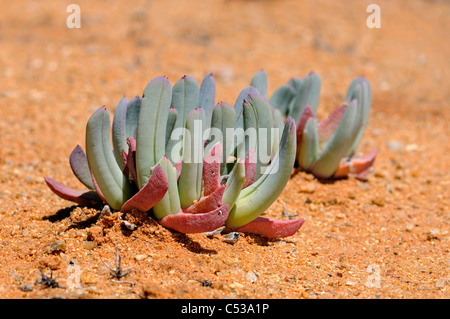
(211,170)
(250,168)
(271,228)
(306,114)
(328,126)
(358,167)
(125,171)
(131,159)
(206,203)
(150,194)
(97,188)
(81,197)
(80,167)
(196,223)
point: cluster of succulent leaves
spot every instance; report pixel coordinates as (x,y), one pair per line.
(192,180)
(188,188)
(326,148)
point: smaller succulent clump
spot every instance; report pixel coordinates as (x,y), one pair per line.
(325,148)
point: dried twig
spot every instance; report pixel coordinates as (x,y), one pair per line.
(118,272)
(48,282)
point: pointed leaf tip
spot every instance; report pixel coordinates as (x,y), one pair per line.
(271,228)
(196,223)
(83,198)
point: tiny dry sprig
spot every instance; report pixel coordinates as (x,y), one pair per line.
(48,281)
(326,148)
(117,272)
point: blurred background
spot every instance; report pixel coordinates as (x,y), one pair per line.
(53,76)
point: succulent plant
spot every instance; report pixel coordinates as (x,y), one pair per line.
(326,148)
(165,159)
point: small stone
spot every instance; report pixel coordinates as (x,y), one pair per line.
(139,258)
(363,186)
(231,238)
(87,278)
(308,188)
(26,288)
(394,145)
(236,285)
(433,234)
(434,231)
(380,174)
(106,211)
(440,283)
(409,227)
(128,225)
(56,247)
(251,276)
(379,201)
(89,245)
(411,147)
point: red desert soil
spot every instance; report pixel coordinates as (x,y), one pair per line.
(387,237)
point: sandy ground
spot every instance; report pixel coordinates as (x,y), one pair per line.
(384,238)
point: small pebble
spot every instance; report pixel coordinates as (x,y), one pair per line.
(251,276)
(87,278)
(26,288)
(140,257)
(212,233)
(89,245)
(106,211)
(308,188)
(394,145)
(379,201)
(128,225)
(236,285)
(440,283)
(231,238)
(56,247)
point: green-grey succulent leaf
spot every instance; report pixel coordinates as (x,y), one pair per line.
(339,144)
(207,97)
(124,125)
(222,120)
(259,81)
(282,98)
(80,167)
(258,117)
(308,151)
(278,124)
(185,98)
(190,181)
(296,83)
(235,182)
(257,197)
(239,104)
(250,126)
(151,129)
(362,92)
(170,123)
(132,117)
(170,204)
(308,95)
(114,187)
(119,138)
